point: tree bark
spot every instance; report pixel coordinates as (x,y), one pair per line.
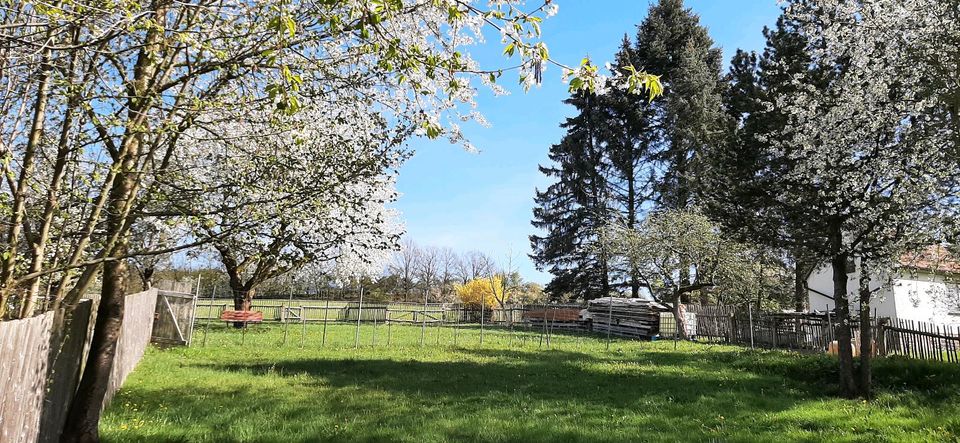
(243,292)
(866,337)
(848,385)
(83,418)
(679,317)
(800,275)
(52,203)
(19,203)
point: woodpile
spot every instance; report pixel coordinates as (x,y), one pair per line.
(555,318)
(627,317)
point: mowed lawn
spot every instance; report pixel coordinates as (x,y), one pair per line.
(512,388)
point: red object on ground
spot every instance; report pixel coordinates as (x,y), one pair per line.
(242,316)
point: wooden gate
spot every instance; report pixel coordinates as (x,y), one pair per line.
(173,319)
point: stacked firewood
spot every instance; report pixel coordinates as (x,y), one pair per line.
(627,317)
(555,318)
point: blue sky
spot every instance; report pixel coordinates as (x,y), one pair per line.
(483,201)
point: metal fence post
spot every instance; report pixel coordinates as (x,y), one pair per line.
(389,325)
(610,320)
(750,309)
(286,317)
(356,338)
(456,325)
(440,322)
(193,312)
(423,321)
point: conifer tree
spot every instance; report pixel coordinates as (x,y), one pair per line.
(572,210)
(689,117)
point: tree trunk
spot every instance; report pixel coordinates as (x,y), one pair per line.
(632,224)
(800,286)
(19,204)
(52,203)
(679,317)
(243,293)
(146,277)
(866,336)
(243,298)
(83,418)
(848,386)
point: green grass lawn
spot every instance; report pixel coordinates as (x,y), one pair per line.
(512,388)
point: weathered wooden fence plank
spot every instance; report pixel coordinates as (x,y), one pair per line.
(40,369)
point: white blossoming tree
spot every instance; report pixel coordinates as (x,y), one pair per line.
(119,83)
(272,194)
(865,162)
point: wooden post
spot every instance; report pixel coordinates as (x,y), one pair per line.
(206,324)
(423,321)
(326,309)
(356,338)
(483,304)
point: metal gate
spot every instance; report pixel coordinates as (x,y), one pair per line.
(173,319)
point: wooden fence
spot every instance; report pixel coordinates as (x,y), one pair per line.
(920,340)
(815,332)
(41,363)
(173,319)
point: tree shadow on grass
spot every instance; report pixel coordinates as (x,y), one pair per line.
(675,388)
(504,395)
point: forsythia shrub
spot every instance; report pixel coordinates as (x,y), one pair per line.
(479,289)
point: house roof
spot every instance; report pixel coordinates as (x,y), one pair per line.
(933,258)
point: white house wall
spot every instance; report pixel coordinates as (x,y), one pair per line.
(927,297)
(884,301)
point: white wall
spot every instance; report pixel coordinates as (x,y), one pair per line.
(923,296)
(821,280)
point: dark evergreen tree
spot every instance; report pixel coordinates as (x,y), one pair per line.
(739,180)
(628,137)
(572,210)
(689,117)
(624,154)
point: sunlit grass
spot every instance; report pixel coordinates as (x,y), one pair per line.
(511,388)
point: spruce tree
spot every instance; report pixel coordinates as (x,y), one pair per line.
(628,138)
(689,117)
(573,210)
